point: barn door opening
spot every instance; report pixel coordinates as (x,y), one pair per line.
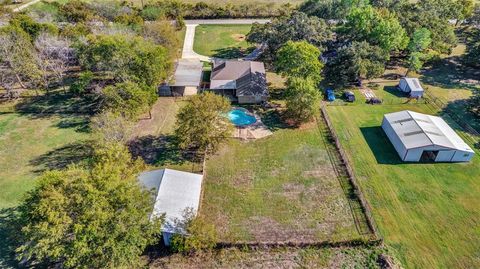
(429,156)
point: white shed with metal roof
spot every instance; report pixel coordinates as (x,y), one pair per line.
(411,86)
(420,137)
(175,193)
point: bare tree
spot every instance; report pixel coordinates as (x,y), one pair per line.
(17,60)
(54,55)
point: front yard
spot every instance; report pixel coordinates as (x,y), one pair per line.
(427,213)
(222,41)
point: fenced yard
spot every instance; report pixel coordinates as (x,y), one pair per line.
(281,189)
(427,213)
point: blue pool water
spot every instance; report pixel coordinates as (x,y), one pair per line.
(240,117)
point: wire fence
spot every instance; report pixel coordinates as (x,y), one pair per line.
(441,104)
(367,209)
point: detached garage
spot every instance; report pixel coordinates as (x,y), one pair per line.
(419,137)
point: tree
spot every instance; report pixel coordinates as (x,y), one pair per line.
(202,124)
(55,55)
(358,61)
(17,59)
(296,27)
(472,55)
(76,11)
(162,33)
(417,47)
(414,17)
(303,99)
(193,234)
(330,9)
(31,27)
(89,217)
(109,127)
(126,58)
(129,99)
(299,59)
(378,27)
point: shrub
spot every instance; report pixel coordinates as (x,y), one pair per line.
(200,235)
(80,85)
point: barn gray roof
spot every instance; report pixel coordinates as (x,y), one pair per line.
(420,130)
(175,191)
(188,72)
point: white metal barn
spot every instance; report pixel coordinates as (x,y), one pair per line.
(175,192)
(411,86)
(419,137)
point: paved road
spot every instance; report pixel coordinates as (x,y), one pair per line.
(24,6)
(187,51)
(226,21)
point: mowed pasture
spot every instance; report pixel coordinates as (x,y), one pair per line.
(34,142)
(222,41)
(282,188)
(427,213)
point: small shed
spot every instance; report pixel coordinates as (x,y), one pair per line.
(411,86)
(174,193)
(420,137)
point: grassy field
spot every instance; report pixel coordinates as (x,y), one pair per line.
(223,41)
(32,142)
(278,189)
(428,213)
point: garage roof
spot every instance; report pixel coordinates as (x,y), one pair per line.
(175,191)
(419,130)
(188,73)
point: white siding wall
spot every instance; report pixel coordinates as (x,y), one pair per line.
(416,94)
(462,156)
(445,155)
(397,144)
(413,155)
(404,85)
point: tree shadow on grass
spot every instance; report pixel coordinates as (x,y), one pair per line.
(395,91)
(460,111)
(80,123)
(381,147)
(57,103)
(9,232)
(160,150)
(232,52)
(449,73)
(60,158)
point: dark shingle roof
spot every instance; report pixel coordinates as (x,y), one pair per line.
(249,76)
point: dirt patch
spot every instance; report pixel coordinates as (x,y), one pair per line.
(267,230)
(238,37)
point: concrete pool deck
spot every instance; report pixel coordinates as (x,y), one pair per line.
(256,130)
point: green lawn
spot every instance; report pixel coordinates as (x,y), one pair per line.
(427,213)
(222,41)
(277,189)
(30,144)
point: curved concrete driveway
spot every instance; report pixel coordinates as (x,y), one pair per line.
(189,53)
